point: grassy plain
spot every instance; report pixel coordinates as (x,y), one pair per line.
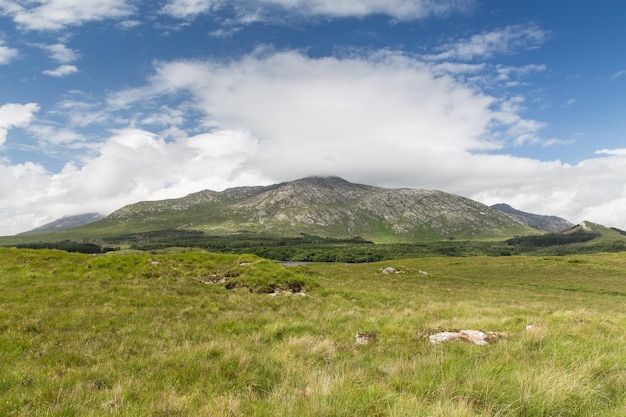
(144,335)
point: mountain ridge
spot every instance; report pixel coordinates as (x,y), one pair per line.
(551,224)
(323,206)
(67,222)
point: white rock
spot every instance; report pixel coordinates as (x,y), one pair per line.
(474,336)
(442,337)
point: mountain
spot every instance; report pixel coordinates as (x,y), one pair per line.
(586,237)
(67,222)
(321,206)
(552,224)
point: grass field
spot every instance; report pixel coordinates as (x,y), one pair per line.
(145,335)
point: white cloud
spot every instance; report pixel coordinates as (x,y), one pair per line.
(129,24)
(386,102)
(383,119)
(79,110)
(6,54)
(224,33)
(501,41)
(189,8)
(590,190)
(621,152)
(398,9)
(15,115)
(61,71)
(53,135)
(288,98)
(618,74)
(129,166)
(165,117)
(60,53)
(506,73)
(58,14)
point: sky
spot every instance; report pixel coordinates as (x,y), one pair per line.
(103,104)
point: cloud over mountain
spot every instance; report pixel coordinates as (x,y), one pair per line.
(110,102)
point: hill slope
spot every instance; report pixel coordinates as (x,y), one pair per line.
(323,206)
(67,222)
(546,223)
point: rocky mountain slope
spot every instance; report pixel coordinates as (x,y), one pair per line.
(67,222)
(322,206)
(551,224)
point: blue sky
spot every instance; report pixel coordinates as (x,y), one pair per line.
(105,104)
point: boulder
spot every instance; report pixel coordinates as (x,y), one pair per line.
(475,337)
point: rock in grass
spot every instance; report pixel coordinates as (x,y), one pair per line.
(442,337)
(475,337)
(365,338)
(391,270)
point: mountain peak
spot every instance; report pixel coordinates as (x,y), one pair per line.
(323,181)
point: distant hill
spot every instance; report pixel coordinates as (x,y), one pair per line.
(586,237)
(605,233)
(67,222)
(551,224)
(321,206)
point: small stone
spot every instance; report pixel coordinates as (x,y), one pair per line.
(365,338)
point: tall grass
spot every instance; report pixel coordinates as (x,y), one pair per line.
(144,334)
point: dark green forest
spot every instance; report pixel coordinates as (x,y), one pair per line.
(309,248)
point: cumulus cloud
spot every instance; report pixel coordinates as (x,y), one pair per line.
(288,98)
(385,119)
(60,53)
(58,14)
(61,71)
(129,166)
(398,9)
(590,190)
(15,115)
(6,54)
